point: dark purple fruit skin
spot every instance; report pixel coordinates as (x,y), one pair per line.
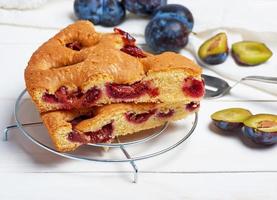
(143,7)
(102,12)
(227,126)
(176,11)
(166,34)
(216,59)
(259,137)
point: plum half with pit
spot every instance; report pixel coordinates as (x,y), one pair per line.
(215,50)
(249,53)
(261,128)
(231,118)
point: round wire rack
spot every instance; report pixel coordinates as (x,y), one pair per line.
(153,134)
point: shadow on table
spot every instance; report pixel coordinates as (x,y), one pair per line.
(237,134)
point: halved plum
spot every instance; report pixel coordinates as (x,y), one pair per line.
(261,128)
(250,53)
(215,50)
(231,118)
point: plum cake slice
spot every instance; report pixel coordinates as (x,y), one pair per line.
(70,129)
(81,68)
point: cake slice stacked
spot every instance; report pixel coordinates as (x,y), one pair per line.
(90,87)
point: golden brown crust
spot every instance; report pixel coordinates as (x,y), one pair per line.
(57,126)
(169,61)
(54,65)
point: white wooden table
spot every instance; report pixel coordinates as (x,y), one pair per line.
(208,165)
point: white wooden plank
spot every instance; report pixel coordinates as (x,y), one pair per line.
(17,35)
(73,186)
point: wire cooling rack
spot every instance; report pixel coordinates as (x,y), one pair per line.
(127,157)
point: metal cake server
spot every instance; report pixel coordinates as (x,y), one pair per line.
(216,87)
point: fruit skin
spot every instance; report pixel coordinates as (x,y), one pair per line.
(249,53)
(143,7)
(260,137)
(169,28)
(166,34)
(227,126)
(231,118)
(215,50)
(261,129)
(102,12)
(176,11)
